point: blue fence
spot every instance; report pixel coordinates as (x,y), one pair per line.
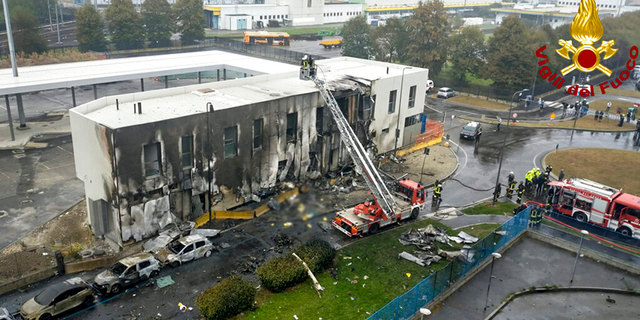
(408,304)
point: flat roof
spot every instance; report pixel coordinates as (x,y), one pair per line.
(65,75)
(179,102)
(559,11)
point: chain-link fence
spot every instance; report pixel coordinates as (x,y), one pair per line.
(408,304)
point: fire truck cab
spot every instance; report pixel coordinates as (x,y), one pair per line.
(589,201)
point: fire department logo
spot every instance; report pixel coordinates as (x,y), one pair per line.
(586,28)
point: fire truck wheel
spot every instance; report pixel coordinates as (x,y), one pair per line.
(581,217)
(414,213)
(624,230)
(373,229)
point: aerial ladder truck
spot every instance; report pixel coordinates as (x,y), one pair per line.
(405,202)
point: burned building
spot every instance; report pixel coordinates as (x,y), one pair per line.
(145,157)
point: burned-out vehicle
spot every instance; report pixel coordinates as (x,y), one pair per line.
(127,272)
(5,315)
(58,298)
(185,249)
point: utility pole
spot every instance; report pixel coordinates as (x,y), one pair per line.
(395,147)
(12,49)
(61,15)
(57,22)
(49,11)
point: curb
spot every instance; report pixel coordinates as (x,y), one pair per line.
(546,127)
(539,290)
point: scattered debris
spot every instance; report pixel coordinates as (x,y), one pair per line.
(228,224)
(287,224)
(365,277)
(408,256)
(209,233)
(423,238)
(282,241)
(325,226)
(316,284)
(224,245)
(164,282)
(274,204)
(467,238)
(408,275)
(501,232)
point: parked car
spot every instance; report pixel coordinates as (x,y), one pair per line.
(580,87)
(429,85)
(5,315)
(471,130)
(635,74)
(127,272)
(446,93)
(185,249)
(58,298)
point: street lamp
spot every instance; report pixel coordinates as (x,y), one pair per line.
(575,263)
(395,147)
(424,312)
(495,256)
(209,156)
(504,142)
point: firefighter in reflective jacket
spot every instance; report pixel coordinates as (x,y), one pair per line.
(520,192)
(529,179)
(511,188)
(304,68)
(539,217)
(497,191)
(437,192)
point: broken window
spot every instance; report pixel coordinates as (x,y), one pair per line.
(309,3)
(152,159)
(373,106)
(230,142)
(412,97)
(187,152)
(257,133)
(392,101)
(292,126)
(319,119)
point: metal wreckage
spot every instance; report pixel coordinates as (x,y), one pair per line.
(425,240)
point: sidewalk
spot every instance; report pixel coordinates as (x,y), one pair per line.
(61,125)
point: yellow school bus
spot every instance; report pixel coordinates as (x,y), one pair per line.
(268,38)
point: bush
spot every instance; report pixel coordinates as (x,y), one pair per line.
(226,299)
(280,273)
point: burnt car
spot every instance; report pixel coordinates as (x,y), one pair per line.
(471,130)
(127,272)
(58,298)
(185,249)
(5,315)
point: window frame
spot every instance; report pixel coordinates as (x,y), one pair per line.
(393,96)
(158,159)
(260,135)
(412,97)
(190,152)
(293,135)
(227,142)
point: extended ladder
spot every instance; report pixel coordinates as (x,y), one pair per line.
(357,152)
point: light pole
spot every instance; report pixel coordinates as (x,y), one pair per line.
(504,142)
(495,256)
(424,312)
(395,147)
(426,153)
(209,111)
(575,263)
(12,49)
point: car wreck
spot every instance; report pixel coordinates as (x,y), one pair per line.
(127,272)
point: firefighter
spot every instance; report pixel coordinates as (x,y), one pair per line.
(520,192)
(533,216)
(304,68)
(511,188)
(312,67)
(529,179)
(548,169)
(497,191)
(546,177)
(511,177)
(437,193)
(539,184)
(561,175)
(539,217)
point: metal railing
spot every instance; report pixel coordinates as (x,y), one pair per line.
(408,304)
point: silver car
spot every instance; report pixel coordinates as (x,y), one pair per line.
(127,272)
(185,249)
(57,299)
(446,93)
(5,315)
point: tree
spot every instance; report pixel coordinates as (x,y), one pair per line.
(190,20)
(457,22)
(356,38)
(38,8)
(89,29)
(511,56)
(428,29)
(125,25)
(158,21)
(389,42)
(26,36)
(467,52)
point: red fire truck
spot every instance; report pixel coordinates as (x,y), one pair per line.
(605,206)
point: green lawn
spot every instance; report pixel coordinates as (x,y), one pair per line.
(481,230)
(374,257)
(501,208)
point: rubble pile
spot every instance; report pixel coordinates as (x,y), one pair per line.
(425,238)
(282,242)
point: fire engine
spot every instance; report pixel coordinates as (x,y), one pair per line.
(405,202)
(589,201)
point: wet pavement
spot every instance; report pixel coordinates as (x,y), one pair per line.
(530,263)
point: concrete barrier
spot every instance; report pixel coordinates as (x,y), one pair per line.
(14,284)
(87,265)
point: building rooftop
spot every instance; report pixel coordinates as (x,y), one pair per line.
(65,75)
(558,11)
(183,101)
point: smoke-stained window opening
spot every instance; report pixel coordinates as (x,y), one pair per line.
(230,142)
(412,97)
(392,101)
(258,124)
(319,119)
(152,158)
(187,152)
(292,126)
